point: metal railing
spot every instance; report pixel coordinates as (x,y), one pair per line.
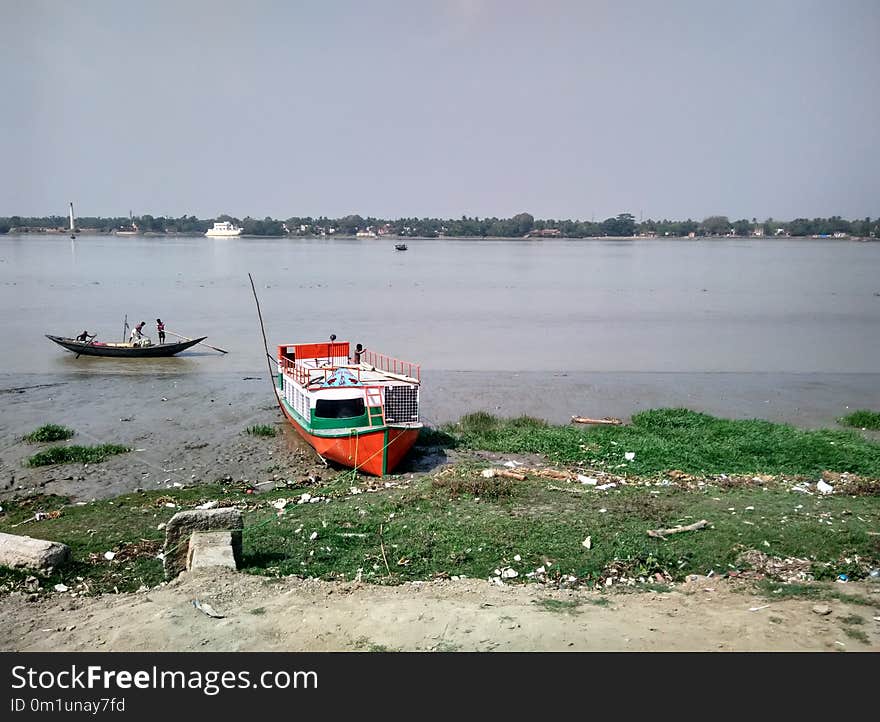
(392,365)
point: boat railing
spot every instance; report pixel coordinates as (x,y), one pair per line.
(392,365)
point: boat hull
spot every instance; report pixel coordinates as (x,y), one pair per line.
(92,349)
(375,452)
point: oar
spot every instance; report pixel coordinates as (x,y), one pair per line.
(201,342)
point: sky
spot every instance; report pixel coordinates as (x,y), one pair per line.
(581,109)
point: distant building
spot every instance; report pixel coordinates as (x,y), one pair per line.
(758,231)
(544,233)
(841,234)
(365,234)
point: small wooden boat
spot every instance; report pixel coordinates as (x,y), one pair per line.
(361,415)
(400,246)
(122,349)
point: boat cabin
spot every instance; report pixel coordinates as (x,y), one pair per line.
(325,388)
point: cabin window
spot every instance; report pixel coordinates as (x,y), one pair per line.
(340,408)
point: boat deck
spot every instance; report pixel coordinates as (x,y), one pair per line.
(329,365)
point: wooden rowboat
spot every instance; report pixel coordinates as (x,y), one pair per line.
(122,350)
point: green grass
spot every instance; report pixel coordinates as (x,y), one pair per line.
(423,531)
(857,634)
(569,606)
(666,439)
(75,454)
(818,591)
(460,523)
(49,432)
(261,430)
(862,419)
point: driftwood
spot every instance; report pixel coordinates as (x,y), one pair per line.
(663,533)
(608,421)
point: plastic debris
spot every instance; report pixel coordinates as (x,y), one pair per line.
(824,488)
(61,587)
(208,505)
(629,455)
(517,558)
(313,536)
(109,556)
(508,573)
(206,608)
(587,543)
(589,480)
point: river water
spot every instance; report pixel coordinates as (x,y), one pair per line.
(778,329)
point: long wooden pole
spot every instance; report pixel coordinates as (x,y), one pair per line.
(201,342)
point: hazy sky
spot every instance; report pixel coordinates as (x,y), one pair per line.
(409,108)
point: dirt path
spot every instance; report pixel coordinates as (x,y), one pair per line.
(308,615)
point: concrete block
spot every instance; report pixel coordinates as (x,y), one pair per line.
(210,549)
(24,552)
(182,525)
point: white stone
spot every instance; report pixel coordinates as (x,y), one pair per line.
(24,552)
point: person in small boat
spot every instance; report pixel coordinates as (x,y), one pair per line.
(85,336)
(137,335)
(160,327)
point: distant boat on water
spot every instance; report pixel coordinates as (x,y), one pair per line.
(130,230)
(72,224)
(400,246)
(225,229)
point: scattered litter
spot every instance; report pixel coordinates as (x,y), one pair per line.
(208,505)
(589,480)
(629,455)
(603,510)
(512,464)
(61,587)
(279,504)
(109,556)
(313,536)
(206,608)
(305,498)
(160,527)
(842,578)
(604,487)
(517,558)
(487,473)
(508,573)
(170,505)
(823,610)
(587,543)
(756,609)
(824,488)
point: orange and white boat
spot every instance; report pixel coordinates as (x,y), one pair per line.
(361,412)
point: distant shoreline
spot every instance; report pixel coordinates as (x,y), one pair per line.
(352,237)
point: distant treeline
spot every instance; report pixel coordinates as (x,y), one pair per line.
(520,225)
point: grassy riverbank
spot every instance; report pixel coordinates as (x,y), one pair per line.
(454,521)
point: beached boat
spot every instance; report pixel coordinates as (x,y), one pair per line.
(225,229)
(400,246)
(361,415)
(122,349)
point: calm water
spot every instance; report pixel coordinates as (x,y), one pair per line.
(656,319)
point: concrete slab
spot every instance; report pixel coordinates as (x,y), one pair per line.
(210,549)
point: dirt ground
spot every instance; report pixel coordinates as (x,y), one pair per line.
(291,614)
